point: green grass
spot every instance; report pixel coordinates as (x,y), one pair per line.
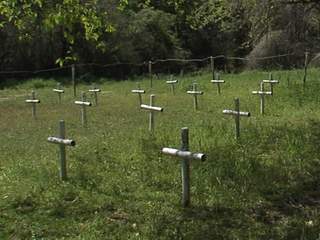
(265,186)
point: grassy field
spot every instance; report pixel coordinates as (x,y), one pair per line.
(264,186)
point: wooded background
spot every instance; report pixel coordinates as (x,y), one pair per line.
(39,34)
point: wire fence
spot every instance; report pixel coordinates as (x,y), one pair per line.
(158,66)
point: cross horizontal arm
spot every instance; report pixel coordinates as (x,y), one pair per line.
(151,108)
(33,101)
(83,103)
(138,91)
(183,154)
(232,112)
(195,92)
(217,81)
(172,81)
(56,140)
(94,90)
(58,90)
(261,93)
(270,81)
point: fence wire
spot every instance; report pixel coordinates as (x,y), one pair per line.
(151,63)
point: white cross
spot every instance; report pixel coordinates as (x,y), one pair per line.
(139,92)
(95,93)
(217,81)
(59,91)
(33,101)
(237,114)
(172,83)
(62,142)
(195,94)
(84,104)
(262,93)
(151,109)
(185,156)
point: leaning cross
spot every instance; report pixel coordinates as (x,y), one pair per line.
(195,94)
(261,93)
(59,91)
(62,146)
(152,109)
(172,83)
(271,81)
(237,114)
(217,81)
(95,91)
(84,104)
(185,156)
(139,92)
(33,101)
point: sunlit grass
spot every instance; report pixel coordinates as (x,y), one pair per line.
(264,186)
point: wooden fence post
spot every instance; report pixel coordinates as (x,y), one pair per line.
(150,73)
(306,55)
(73,74)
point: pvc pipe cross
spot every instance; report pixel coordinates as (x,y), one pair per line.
(172,83)
(152,109)
(262,93)
(237,114)
(33,101)
(271,81)
(84,104)
(95,91)
(59,91)
(62,142)
(217,81)
(195,94)
(139,92)
(185,156)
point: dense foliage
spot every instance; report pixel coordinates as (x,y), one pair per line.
(38,34)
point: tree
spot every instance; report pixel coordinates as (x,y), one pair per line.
(74,20)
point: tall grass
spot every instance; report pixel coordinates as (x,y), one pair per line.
(265,186)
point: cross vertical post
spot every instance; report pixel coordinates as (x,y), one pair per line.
(73,75)
(150,73)
(237,117)
(185,168)
(195,99)
(212,66)
(261,98)
(172,88)
(270,76)
(218,78)
(83,110)
(59,94)
(139,94)
(33,97)
(63,164)
(151,116)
